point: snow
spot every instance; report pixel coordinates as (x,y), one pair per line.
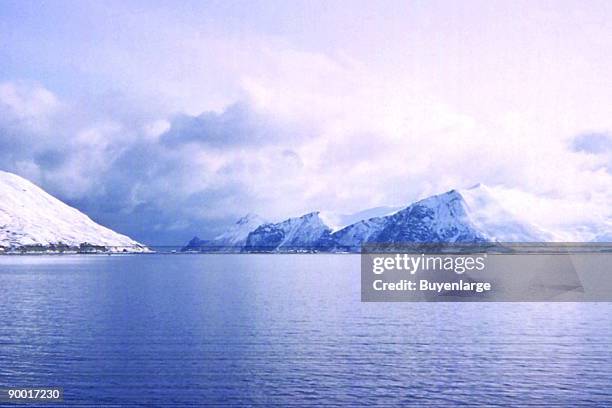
(31,217)
(471,215)
(338,221)
(354,235)
(306,229)
(477,214)
(238,233)
(499,219)
(449,214)
(305,232)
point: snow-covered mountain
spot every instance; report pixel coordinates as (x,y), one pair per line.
(304,233)
(338,221)
(440,218)
(33,220)
(477,214)
(232,240)
(471,215)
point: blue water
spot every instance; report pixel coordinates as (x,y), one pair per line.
(282,330)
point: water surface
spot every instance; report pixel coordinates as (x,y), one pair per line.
(282,330)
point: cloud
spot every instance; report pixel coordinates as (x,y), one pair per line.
(28,103)
(27,111)
(236,125)
(593,143)
(205,128)
(186,173)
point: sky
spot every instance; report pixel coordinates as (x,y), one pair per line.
(168,119)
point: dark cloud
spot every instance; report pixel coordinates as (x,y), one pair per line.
(593,143)
(158,190)
(140,195)
(239,124)
(51,159)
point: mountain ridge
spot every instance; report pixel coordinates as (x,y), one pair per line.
(471,215)
(307,232)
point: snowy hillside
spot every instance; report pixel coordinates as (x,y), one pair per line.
(232,240)
(471,215)
(33,220)
(238,233)
(338,221)
(440,218)
(305,233)
(477,214)
(351,238)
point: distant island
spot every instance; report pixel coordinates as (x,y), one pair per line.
(474,215)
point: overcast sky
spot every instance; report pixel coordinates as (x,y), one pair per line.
(167,119)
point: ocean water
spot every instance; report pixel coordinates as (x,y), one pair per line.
(282,330)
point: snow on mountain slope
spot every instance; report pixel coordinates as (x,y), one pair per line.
(477,214)
(352,237)
(32,219)
(471,215)
(232,240)
(338,221)
(307,232)
(440,218)
(238,233)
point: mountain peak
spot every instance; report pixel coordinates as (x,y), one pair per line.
(249,218)
(299,233)
(451,196)
(477,214)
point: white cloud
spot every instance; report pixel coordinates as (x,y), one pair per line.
(28,107)
(358,135)
(156,128)
(386,141)
(27,101)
